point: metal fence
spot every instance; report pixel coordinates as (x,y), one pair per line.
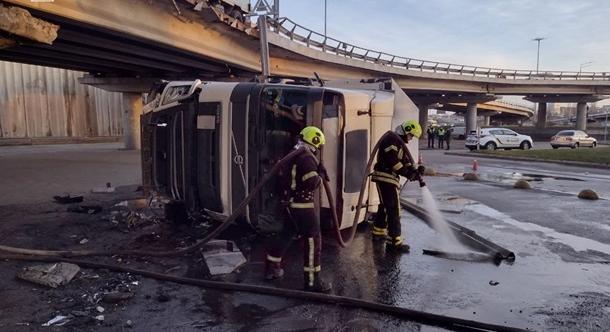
(289,29)
(40,101)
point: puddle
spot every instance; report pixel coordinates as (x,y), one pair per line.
(576,242)
(530,177)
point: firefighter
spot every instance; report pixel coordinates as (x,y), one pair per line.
(431,133)
(440,136)
(304,179)
(448,133)
(393,162)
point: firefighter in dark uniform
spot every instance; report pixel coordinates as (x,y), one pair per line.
(431,133)
(304,172)
(392,162)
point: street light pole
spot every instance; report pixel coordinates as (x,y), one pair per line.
(584,65)
(325,10)
(538,39)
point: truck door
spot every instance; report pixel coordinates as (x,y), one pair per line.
(355,151)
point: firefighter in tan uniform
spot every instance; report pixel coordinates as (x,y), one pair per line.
(305,172)
(392,162)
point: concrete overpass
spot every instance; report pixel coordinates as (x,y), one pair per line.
(125,45)
(497,110)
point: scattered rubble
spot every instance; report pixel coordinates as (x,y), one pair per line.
(588,194)
(68,199)
(58,320)
(116,297)
(522,184)
(89,209)
(471,177)
(83,241)
(494,283)
(104,190)
(222,257)
(52,275)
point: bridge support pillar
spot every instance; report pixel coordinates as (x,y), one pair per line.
(423,117)
(471,117)
(581,116)
(541,121)
(132,109)
(487,120)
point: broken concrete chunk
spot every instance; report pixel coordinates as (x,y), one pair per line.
(52,275)
(19,21)
(522,184)
(222,257)
(588,194)
(68,199)
(58,320)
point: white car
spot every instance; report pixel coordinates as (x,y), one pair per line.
(498,138)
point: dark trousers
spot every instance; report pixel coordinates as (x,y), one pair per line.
(305,224)
(431,141)
(448,140)
(440,142)
(388,212)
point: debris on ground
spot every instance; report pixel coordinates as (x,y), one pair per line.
(52,275)
(58,320)
(68,199)
(99,318)
(100,309)
(116,297)
(471,177)
(429,171)
(89,209)
(104,190)
(83,241)
(222,257)
(522,184)
(588,194)
(137,212)
(494,283)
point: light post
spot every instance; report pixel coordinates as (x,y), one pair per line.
(584,65)
(538,39)
(325,10)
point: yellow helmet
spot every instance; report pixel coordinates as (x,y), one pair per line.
(409,127)
(313,135)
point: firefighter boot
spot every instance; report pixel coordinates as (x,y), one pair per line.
(273,271)
(314,283)
(397,246)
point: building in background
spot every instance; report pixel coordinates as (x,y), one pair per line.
(42,102)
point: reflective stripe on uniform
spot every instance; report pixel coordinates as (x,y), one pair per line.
(274,259)
(293,183)
(314,269)
(302,205)
(311,270)
(390,148)
(400,154)
(379,231)
(309,175)
(397,166)
(385,177)
(397,241)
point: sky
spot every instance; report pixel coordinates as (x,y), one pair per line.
(487,33)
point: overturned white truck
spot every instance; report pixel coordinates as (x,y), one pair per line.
(207,144)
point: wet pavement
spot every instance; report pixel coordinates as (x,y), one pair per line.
(557,282)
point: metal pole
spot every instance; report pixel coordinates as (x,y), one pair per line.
(262,28)
(276,10)
(538,39)
(325,10)
(606,129)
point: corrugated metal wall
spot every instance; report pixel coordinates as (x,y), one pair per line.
(40,101)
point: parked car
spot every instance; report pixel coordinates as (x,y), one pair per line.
(459,132)
(573,139)
(498,138)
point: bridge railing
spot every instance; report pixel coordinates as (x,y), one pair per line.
(287,28)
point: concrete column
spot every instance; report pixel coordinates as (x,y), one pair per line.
(471,117)
(581,116)
(132,109)
(423,116)
(541,122)
(487,120)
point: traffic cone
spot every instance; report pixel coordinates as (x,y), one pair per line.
(475,165)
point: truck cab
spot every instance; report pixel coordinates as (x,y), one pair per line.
(207,144)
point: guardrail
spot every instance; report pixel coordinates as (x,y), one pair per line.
(289,29)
